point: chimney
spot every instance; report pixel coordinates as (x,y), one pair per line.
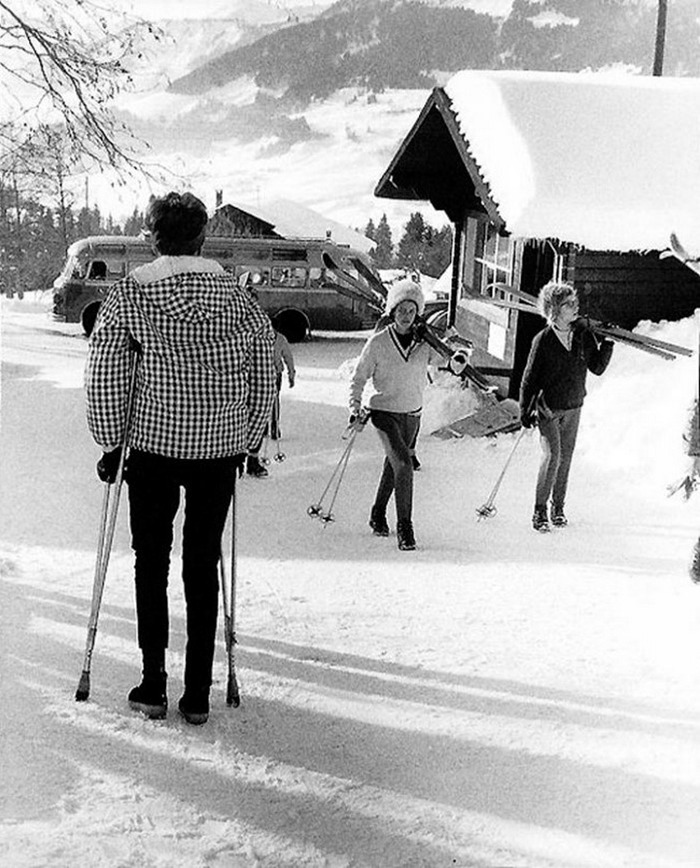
(219,198)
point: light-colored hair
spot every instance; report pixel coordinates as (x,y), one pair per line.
(553,296)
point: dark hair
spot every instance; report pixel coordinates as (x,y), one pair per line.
(177,224)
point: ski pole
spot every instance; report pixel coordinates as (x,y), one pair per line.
(316,510)
(228,596)
(487,510)
(108,522)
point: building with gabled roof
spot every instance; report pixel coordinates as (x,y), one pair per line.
(281,218)
(576,176)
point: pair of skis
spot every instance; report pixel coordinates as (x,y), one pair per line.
(525,303)
(374,294)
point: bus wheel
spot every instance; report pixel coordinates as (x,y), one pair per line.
(293,324)
(88,317)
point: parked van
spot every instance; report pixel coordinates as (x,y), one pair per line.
(291,277)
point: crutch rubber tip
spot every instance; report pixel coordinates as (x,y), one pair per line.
(233,698)
(83,691)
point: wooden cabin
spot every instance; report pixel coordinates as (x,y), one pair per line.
(554,175)
(281,218)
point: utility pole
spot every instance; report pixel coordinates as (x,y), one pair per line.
(660,37)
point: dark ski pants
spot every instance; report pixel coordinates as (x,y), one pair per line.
(154,497)
(557,439)
(398,433)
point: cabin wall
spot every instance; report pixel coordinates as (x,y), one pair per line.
(627,288)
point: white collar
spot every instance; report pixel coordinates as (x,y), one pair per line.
(170,266)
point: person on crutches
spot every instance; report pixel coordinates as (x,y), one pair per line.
(203,393)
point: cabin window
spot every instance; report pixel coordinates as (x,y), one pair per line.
(316,277)
(494,261)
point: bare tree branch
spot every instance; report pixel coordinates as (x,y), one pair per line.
(63,63)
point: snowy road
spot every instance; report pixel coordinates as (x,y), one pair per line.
(495,699)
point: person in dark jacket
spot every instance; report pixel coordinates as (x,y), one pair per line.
(552,392)
(204,390)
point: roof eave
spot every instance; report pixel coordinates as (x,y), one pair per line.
(387,186)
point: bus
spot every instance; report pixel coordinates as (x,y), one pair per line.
(298,282)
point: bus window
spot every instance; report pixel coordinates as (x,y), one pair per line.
(116,270)
(80,270)
(98,270)
(289,276)
(257,276)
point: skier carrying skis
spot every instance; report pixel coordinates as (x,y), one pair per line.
(396,360)
(203,393)
(552,391)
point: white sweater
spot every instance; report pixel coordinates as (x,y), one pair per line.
(398,375)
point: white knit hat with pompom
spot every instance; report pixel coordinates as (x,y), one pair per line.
(405,290)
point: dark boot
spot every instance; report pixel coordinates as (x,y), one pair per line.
(540,522)
(194,705)
(404,534)
(377,521)
(557,516)
(150,697)
(255,468)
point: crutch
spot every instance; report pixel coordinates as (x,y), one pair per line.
(228,596)
(487,510)
(108,522)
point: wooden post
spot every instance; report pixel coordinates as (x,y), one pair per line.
(660,37)
(457,266)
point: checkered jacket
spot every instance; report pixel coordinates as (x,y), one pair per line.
(205,377)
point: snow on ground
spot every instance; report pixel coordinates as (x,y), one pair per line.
(496,698)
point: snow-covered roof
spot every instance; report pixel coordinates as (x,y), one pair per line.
(607,161)
(293,220)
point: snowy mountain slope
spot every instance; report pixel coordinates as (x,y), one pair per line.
(495,698)
(247,133)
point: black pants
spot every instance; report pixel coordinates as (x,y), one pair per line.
(154,497)
(398,433)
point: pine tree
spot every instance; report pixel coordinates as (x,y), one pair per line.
(410,253)
(383,254)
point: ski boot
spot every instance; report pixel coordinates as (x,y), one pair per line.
(540,522)
(557,515)
(377,521)
(404,533)
(253,467)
